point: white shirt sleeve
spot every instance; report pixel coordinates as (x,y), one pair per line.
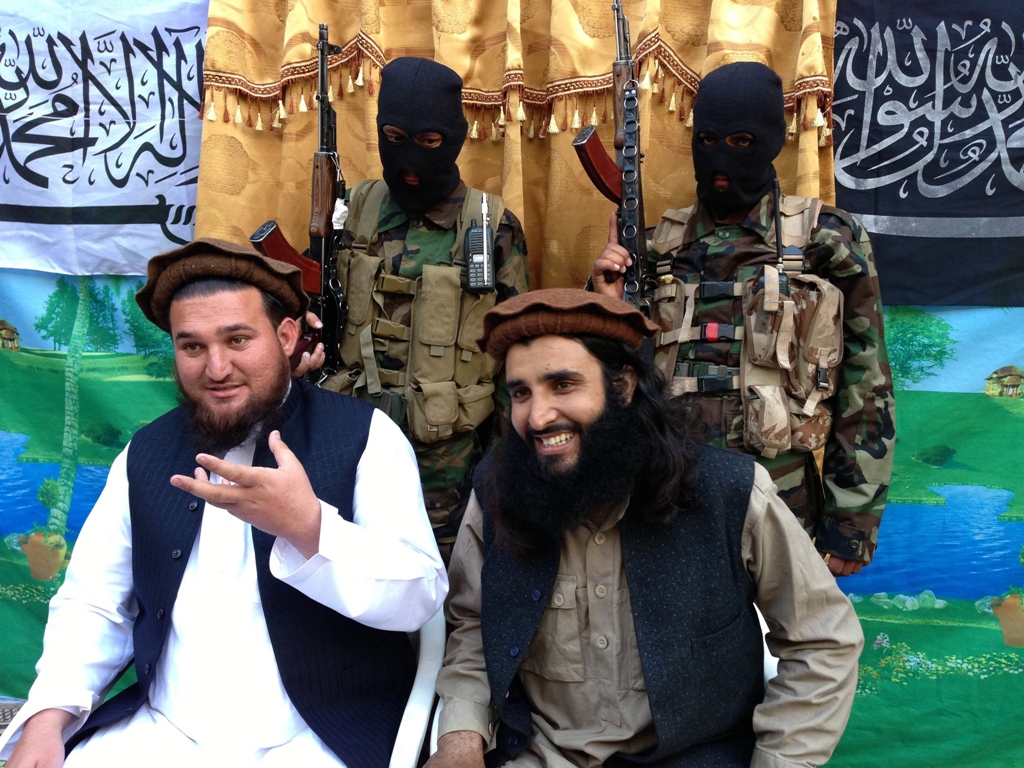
(88,637)
(383,569)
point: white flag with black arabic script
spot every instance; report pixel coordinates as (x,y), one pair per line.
(99,132)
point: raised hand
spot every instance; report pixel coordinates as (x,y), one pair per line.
(279,501)
(311,361)
(608,273)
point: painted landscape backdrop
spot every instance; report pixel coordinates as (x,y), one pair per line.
(81,371)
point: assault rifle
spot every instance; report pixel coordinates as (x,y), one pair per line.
(320,267)
(619,181)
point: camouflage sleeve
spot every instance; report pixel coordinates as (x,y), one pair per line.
(510,256)
(857,464)
(513,279)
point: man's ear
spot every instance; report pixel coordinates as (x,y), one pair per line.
(288,333)
(625,383)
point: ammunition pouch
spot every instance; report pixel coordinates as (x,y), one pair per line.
(446,386)
(791,339)
(793,346)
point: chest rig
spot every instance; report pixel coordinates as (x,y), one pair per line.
(786,323)
(409,346)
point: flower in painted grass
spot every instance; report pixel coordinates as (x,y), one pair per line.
(882,641)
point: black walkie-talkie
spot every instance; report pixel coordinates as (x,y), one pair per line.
(479,250)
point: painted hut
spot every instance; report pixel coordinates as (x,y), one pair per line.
(9,338)
(1005,382)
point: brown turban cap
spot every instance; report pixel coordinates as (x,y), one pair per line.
(217,259)
(562,312)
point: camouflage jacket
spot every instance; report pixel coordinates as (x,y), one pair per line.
(843,515)
(445,467)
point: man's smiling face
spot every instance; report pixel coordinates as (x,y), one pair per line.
(230,361)
(558,390)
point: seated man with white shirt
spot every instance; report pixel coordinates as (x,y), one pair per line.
(260,551)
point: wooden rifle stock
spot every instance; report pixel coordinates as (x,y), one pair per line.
(271,242)
(602,170)
(325,180)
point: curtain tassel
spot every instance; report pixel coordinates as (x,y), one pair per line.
(553,125)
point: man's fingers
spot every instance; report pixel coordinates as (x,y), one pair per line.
(233,472)
(613,228)
(219,494)
(313,321)
(281,452)
(318,358)
(608,265)
(841,567)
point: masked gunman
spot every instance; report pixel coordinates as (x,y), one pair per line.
(605,576)
(260,552)
(778,340)
(409,344)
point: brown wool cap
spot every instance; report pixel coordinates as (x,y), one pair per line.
(208,258)
(562,312)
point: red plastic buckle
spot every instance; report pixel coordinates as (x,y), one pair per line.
(711,331)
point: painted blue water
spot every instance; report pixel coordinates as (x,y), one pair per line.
(957,550)
(19,483)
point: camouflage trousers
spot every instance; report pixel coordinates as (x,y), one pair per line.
(446,472)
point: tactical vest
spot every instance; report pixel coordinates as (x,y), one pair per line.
(791,340)
(443,386)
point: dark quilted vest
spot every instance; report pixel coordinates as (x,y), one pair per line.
(692,599)
(348,681)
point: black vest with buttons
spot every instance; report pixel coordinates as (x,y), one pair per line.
(697,633)
(348,681)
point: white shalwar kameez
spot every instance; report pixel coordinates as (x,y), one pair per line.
(217,698)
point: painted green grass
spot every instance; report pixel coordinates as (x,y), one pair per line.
(23,611)
(113,388)
(986,433)
(23,605)
(937,689)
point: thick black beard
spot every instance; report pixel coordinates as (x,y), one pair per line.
(535,504)
(216,435)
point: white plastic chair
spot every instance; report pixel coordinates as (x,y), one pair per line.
(435,726)
(771,663)
(413,728)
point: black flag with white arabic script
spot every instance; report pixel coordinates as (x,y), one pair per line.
(929,145)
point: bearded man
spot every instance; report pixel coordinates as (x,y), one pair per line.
(788,383)
(260,553)
(605,576)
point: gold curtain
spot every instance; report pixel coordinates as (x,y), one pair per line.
(534,72)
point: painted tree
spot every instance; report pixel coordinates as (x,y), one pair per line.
(104,333)
(58,318)
(149,340)
(57,520)
(919,344)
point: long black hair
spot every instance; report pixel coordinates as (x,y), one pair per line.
(666,484)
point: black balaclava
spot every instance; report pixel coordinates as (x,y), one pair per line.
(744,96)
(420,95)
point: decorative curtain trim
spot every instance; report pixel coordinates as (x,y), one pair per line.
(354,51)
(810,100)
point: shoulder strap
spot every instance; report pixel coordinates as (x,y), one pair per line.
(799,219)
(472,208)
(368,194)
